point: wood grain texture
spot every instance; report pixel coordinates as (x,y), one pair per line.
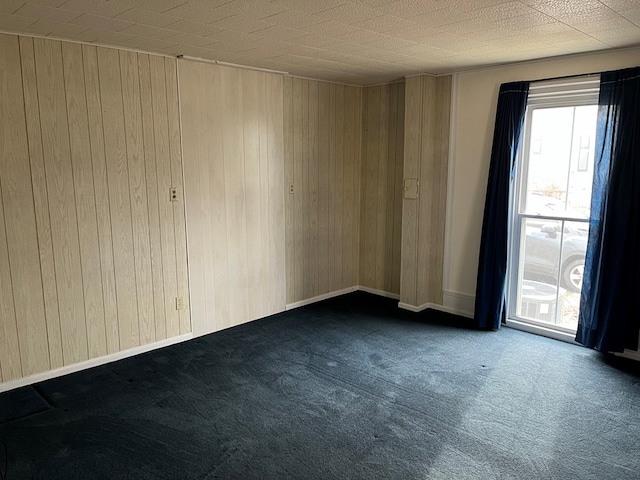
(352,184)
(41,202)
(276,169)
(175,152)
(382,173)
(89,240)
(294,202)
(323,188)
(131,101)
(10,363)
(427,108)
(397,202)
(163,171)
(115,143)
(101,186)
(60,187)
(313,182)
(19,221)
(338,207)
(253,179)
(425,240)
(234,172)
(153,199)
(80,148)
(411,169)
(288,129)
(323,133)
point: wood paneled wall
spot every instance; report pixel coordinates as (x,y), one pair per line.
(322,131)
(381,184)
(234,181)
(426,147)
(92,253)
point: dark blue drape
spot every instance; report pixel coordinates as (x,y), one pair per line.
(609,310)
(492,268)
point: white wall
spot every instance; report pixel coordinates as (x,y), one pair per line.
(473,114)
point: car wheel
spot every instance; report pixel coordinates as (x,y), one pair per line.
(572,275)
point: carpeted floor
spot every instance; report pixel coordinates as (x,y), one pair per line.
(350,388)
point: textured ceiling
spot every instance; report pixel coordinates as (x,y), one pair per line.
(359,42)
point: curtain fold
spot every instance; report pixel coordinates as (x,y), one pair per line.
(492,268)
(609,317)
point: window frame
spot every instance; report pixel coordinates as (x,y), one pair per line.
(565,92)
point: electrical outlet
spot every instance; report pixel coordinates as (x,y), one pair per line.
(179,303)
(291,191)
(173,194)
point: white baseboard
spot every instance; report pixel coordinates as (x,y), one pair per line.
(453,302)
(630,354)
(458,303)
(319,298)
(94,362)
(380,293)
(453,307)
(413,308)
(434,306)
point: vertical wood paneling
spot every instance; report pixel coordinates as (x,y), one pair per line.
(101,186)
(381,188)
(92,251)
(175,151)
(295,202)
(313,205)
(163,170)
(323,187)
(390,187)
(235,193)
(263,90)
(380,226)
(276,168)
(398,192)
(288,128)
(323,129)
(331,260)
(217,206)
(131,100)
(371,164)
(41,202)
(235,218)
(338,206)
(411,169)
(425,157)
(153,201)
(119,196)
(62,203)
(251,122)
(426,245)
(19,221)
(10,365)
(353,123)
(85,198)
(306,197)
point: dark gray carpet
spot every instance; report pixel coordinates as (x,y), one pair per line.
(350,388)
(20,403)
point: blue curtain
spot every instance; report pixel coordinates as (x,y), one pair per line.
(492,269)
(609,310)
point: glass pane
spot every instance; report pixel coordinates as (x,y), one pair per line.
(538,272)
(560,163)
(574,247)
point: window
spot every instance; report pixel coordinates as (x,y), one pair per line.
(550,204)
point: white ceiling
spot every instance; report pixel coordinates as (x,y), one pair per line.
(359,42)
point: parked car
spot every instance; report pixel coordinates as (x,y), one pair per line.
(543,249)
